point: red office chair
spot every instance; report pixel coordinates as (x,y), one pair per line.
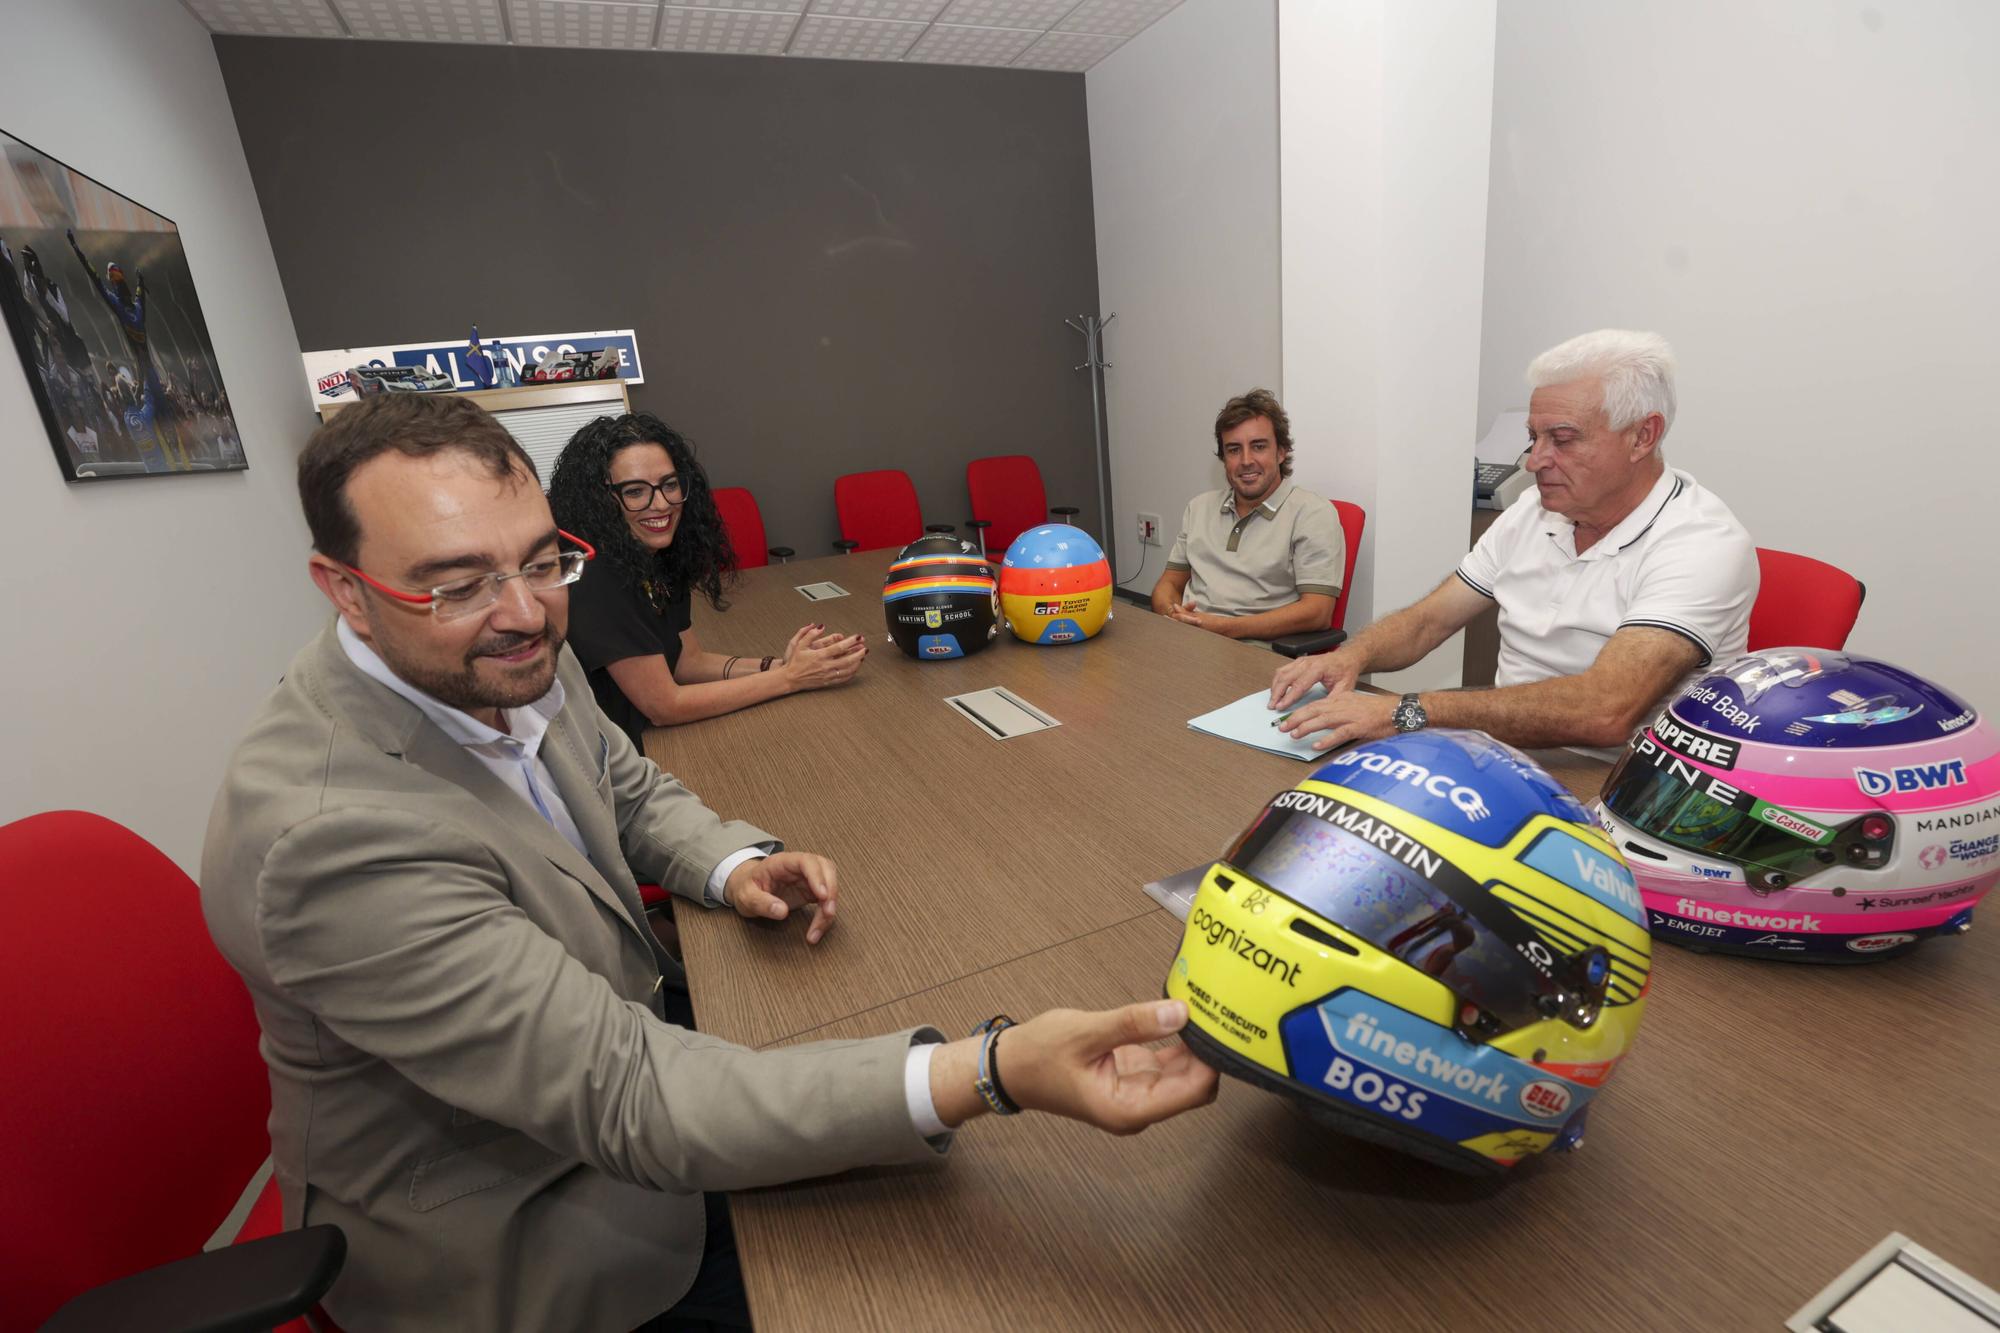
(877,509)
(1352,519)
(1803,603)
(744,522)
(135,1101)
(1007,500)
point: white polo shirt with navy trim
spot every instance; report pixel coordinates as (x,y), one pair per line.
(1679,562)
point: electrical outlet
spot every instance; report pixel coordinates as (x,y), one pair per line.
(1149,529)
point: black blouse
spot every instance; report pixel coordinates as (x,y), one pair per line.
(610,623)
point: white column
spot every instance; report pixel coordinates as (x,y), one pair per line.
(1385,111)
(1184,179)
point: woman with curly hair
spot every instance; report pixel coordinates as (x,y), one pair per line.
(630,486)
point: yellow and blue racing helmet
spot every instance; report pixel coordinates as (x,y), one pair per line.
(1427,943)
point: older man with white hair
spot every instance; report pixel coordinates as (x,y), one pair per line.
(1618,578)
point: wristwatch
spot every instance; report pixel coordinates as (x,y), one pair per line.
(1409,714)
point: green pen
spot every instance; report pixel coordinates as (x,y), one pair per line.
(1281,717)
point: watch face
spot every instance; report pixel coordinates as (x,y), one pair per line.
(1409,715)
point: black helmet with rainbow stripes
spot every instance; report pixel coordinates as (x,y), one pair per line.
(941,599)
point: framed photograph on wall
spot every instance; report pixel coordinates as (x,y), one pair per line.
(96,292)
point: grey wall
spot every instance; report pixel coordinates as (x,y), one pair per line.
(830,265)
(1818,244)
(1185,188)
(146,618)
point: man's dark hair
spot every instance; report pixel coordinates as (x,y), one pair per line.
(416,425)
(1257,403)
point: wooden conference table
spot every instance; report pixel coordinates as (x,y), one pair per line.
(1772,1124)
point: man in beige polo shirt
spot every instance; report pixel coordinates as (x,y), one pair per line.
(1261,557)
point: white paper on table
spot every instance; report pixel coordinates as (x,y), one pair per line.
(1248,722)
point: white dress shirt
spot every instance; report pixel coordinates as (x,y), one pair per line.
(515,757)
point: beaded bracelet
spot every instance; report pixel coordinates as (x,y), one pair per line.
(767,664)
(988,1084)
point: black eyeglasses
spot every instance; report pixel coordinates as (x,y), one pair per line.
(638,495)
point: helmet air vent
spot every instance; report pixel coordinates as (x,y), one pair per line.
(1318,936)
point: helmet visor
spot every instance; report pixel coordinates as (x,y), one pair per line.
(1667,798)
(1406,900)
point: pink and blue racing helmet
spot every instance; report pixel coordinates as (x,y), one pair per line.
(1809,805)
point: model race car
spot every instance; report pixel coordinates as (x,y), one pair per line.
(396,379)
(556,367)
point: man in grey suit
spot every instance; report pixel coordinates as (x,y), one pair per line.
(422,862)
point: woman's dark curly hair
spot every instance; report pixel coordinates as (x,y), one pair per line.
(701,558)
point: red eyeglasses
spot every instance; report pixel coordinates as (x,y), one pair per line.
(469,596)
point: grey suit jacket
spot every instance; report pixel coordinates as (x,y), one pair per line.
(469,1074)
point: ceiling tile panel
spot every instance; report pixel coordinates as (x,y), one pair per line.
(424,20)
(772,6)
(1037,14)
(946,44)
(908,11)
(853,39)
(268,18)
(1068,50)
(1116,18)
(625,27)
(725,31)
(1013,33)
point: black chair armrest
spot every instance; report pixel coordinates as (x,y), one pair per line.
(1304,645)
(845,547)
(1067,511)
(945,529)
(238,1288)
(782,552)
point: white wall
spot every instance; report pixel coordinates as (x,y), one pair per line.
(1801,196)
(1385,110)
(145,618)
(1184,173)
